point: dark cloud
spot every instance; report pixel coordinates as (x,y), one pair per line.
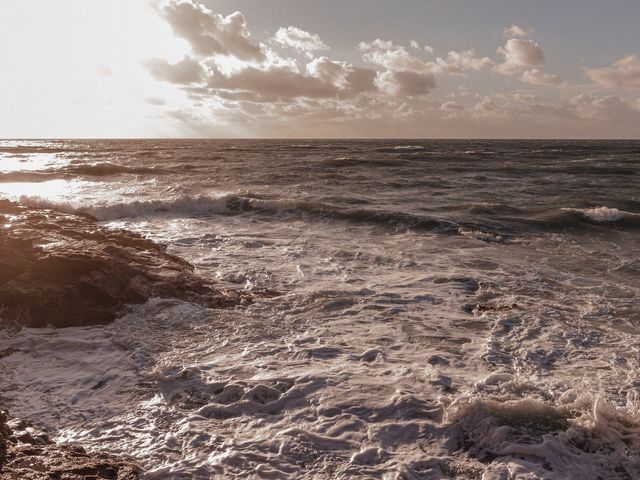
(407,83)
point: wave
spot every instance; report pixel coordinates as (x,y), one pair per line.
(102,169)
(603,216)
(230,204)
(106,169)
(401,149)
(409,147)
(556,219)
(495,223)
(200,205)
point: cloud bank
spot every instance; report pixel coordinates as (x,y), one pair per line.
(290,85)
(625,73)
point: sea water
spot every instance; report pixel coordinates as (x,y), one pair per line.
(444,309)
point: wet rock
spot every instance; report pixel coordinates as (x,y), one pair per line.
(65,270)
(28,454)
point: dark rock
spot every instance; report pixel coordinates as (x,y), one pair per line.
(27,454)
(65,270)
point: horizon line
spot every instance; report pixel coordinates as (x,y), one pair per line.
(420,139)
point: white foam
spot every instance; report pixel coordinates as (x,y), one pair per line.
(191,205)
(605,214)
(409,147)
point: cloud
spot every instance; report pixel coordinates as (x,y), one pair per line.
(519,54)
(610,109)
(452,107)
(391,56)
(159,101)
(396,58)
(272,84)
(235,86)
(416,45)
(536,76)
(299,39)
(459,62)
(406,83)
(582,112)
(324,79)
(625,73)
(224,64)
(343,75)
(504,115)
(209,33)
(184,72)
(405,74)
(518,31)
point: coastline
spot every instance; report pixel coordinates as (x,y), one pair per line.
(59,270)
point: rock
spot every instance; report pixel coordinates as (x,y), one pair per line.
(65,270)
(28,454)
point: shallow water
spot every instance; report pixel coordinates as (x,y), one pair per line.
(463,309)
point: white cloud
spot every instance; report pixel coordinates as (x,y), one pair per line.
(299,39)
(459,62)
(209,33)
(405,75)
(416,45)
(391,56)
(536,76)
(343,75)
(519,54)
(610,108)
(396,58)
(245,88)
(625,73)
(518,31)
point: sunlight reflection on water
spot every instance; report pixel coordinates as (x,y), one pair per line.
(52,190)
(30,163)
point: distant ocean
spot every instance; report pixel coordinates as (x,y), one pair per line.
(447,309)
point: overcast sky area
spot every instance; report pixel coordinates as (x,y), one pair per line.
(297,68)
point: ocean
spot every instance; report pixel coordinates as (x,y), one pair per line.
(445,309)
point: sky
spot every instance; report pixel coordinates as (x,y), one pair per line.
(311,69)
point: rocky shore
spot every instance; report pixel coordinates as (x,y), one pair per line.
(29,454)
(64,270)
(61,270)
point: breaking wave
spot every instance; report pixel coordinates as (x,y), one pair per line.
(488,223)
(602,216)
(232,204)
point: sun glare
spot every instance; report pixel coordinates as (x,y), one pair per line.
(78,69)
